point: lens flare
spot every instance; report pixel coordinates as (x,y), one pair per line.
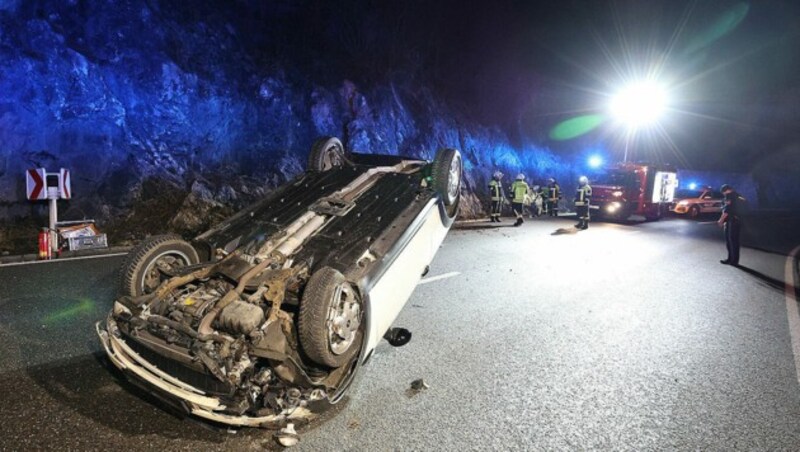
(575,127)
(639,104)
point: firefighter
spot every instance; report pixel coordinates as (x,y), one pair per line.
(583,197)
(498,197)
(545,194)
(554,194)
(518,191)
(731,221)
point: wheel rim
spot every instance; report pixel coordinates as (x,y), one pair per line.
(454,178)
(344,319)
(166,261)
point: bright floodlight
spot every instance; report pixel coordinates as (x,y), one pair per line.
(692,186)
(595,161)
(639,104)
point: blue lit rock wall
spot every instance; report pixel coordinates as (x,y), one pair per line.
(171,123)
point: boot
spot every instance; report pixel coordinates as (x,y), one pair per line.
(518,222)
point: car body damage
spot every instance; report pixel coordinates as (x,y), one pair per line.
(290,296)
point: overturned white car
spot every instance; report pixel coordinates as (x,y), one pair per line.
(255,321)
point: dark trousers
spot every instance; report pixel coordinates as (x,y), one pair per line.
(552,208)
(583,215)
(517,208)
(497,208)
(733,229)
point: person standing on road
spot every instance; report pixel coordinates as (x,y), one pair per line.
(583,197)
(498,197)
(545,194)
(732,223)
(518,190)
(554,194)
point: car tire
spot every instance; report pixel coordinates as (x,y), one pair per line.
(694,211)
(446,176)
(329,324)
(140,273)
(326,154)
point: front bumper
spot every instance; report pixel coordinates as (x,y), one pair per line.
(681,209)
(194,401)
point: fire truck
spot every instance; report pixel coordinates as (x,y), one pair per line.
(633,191)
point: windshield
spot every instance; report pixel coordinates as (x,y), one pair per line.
(686,193)
(616,178)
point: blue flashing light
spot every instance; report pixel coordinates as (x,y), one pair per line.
(595,161)
(693,186)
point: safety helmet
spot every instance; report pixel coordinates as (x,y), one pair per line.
(551,180)
(583,180)
(497,175)
(724,188)
(535,188)
(520,176)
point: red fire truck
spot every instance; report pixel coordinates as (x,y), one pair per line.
(633,191)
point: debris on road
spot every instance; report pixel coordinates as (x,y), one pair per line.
(416,386)
(353,424)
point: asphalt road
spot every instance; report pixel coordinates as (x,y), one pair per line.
(619,337)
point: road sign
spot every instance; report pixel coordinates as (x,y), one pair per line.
(34,183)
(65,184)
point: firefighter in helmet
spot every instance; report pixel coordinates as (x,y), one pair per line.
(554,194)
(518,191)
(583,197)
(498,197)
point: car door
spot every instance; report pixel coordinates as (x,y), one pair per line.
(711,202)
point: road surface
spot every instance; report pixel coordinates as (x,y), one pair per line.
(537,337)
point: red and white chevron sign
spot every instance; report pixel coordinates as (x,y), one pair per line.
(34,183)
(64,184)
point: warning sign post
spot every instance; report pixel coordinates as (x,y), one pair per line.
(41,185)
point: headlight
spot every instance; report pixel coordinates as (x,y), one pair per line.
(612,207)
(683,203)
(617,194)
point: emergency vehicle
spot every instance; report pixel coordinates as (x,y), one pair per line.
(633,191)
(697,202)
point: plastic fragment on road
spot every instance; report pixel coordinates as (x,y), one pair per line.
(419,385)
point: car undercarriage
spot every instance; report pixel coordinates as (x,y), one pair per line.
(277,317)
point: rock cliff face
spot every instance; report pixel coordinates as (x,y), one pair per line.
(172,115)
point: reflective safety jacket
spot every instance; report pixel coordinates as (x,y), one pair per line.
(496,190)
(519,189)
(583,196)
(555,192)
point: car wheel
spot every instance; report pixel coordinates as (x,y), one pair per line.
(326,153)
(329,322)
(694,212)
(446,174)
(144,267)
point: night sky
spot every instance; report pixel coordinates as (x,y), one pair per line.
(731,68)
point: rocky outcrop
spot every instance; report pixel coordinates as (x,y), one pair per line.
(171,117)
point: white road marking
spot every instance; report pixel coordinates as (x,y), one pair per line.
(438,277)
(790,287)
(67,259)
